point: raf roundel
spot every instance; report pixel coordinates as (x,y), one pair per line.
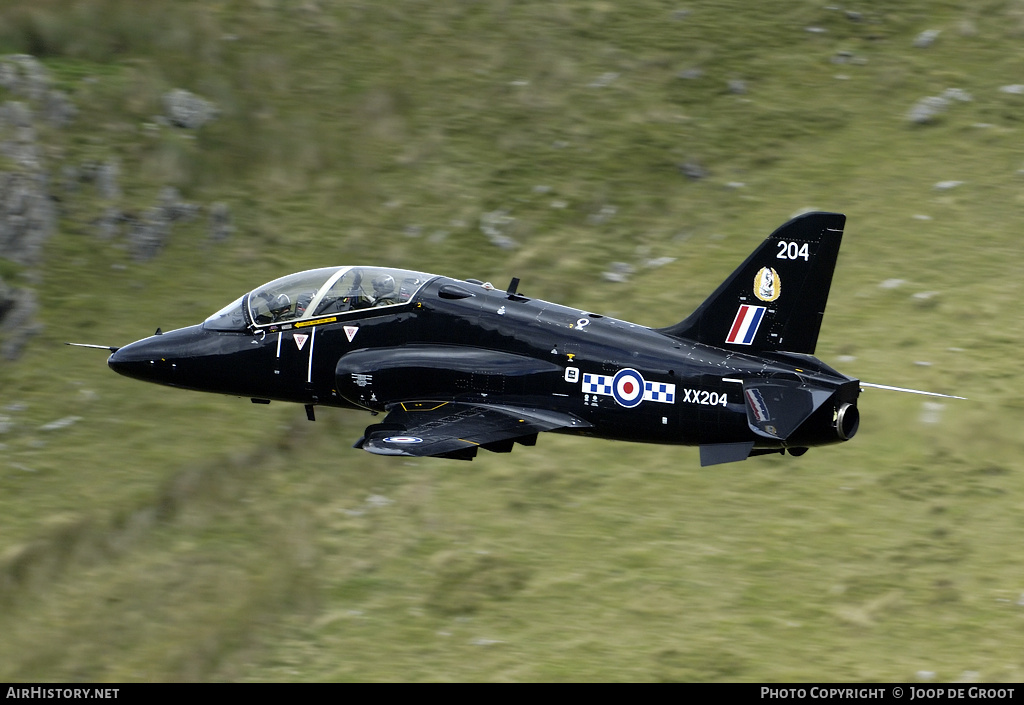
(628,387)
(403,439)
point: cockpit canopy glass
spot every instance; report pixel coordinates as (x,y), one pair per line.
(231,317)
(289,297)
(320,292)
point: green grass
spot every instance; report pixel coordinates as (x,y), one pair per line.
(168,535)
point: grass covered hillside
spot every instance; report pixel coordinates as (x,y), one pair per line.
(159,159)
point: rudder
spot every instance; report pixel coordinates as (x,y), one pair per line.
(776,299)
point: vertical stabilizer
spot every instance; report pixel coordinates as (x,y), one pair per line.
(776,299)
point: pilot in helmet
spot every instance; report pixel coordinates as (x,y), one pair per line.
(384,290)
(280,307)
(302,303)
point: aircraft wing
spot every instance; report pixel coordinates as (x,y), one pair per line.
(458,429)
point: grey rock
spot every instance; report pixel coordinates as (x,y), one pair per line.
(8,76)
(656,262)
(174,208)
(24,75)
(926,38)
(70,177)
(17,313)
(504,242)
(106,176)
(221,226)
(958,94)
(931,412)
(23,150)
(605,79)
(6,299)
(618,272)
(36,80)
(928,109)
(693,170)
(16,114)
(148,235)
(58,110)
(27,216)
(60,423)
(108,225)
(87,171)
(602,216)
(188,110)
(495,225)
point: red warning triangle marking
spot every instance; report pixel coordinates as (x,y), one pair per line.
(300,339)
(350,332)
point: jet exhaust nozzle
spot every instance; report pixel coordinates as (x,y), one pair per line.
(847,421)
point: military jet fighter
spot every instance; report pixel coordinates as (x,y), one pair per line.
(458,365)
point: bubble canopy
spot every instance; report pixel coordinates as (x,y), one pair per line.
(319,292)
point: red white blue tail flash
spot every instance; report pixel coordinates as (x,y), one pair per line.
(744,326)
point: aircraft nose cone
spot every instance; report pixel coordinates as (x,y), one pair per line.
(153,359)
(138,360)
(116,362)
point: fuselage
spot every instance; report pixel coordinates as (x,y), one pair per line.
(464,341)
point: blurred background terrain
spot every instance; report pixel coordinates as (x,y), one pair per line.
(159,159)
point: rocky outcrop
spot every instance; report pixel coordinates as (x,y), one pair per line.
(17,320)
(28,216)
(30,105)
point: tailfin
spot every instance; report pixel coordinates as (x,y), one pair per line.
(776,299)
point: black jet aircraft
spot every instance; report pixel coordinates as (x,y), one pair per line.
(458,365)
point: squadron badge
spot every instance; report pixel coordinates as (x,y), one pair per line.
(767,285)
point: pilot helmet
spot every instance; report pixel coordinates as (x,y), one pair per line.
(280,304)
(302,303)
(383,285)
